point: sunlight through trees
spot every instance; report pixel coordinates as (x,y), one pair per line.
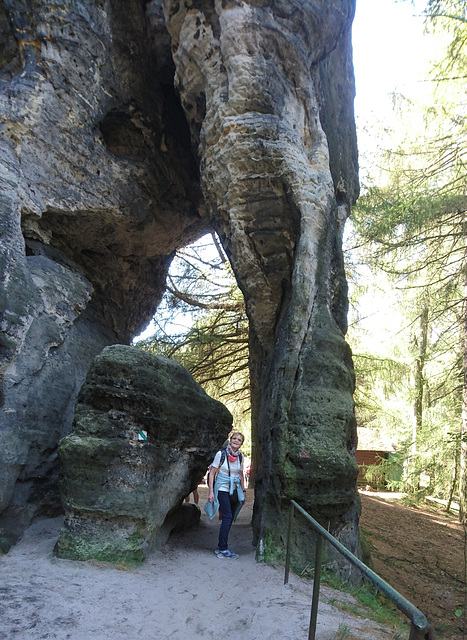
(409,230)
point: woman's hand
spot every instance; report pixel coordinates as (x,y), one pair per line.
(211,496)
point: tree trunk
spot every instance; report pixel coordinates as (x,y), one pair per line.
(463,443)
(419,389)
(455,477)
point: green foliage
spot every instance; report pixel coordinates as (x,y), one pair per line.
(386,474)
(343,632)
(202,324)
(370,603)
(451,17)
(409,235)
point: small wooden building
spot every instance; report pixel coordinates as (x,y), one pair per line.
(393,469)
(367,457)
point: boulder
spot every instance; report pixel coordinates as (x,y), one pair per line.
(143,436)
(99,188)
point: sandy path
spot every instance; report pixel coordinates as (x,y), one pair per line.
(182,592)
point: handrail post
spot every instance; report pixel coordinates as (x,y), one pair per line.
(289,544)
(316,585)
(415,634)
(419,630)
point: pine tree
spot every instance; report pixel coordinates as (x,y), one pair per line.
(210,337)
(411,224)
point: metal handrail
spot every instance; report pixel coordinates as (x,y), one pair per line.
(419,630)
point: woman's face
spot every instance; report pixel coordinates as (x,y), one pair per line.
(236,442)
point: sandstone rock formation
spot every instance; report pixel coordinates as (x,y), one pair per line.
(123,494)
(99,188)
(267,88)
(107,170)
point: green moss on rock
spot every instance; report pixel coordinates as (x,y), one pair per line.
(121,493)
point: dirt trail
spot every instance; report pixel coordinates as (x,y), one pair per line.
(183,592)
(420,552)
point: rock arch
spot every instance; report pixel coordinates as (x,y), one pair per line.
(107,170)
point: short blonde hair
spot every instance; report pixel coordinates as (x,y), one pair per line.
(231,435)
(237,433)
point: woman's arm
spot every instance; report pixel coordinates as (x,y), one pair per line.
(212,473)
(242,481)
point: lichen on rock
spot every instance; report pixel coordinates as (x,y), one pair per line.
(144,433)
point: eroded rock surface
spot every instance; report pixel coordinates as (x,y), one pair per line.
(106,170)
(268,90)
(98,189)
(123,494)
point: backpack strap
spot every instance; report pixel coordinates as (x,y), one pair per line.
(221,462)
(223,454)
(223,457)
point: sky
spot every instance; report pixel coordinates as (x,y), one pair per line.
(391,53)
(389,49)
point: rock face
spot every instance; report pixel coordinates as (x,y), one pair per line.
(98,189)
(107,170)
(267,89)
(123,494)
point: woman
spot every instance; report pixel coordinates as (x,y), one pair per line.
(228,490)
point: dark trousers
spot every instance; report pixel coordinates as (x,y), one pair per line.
(227,505)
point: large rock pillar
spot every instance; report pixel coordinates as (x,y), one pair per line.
(267,88)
